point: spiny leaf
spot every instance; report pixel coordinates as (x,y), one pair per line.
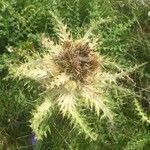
(40,118)
(141,113)
(96,101)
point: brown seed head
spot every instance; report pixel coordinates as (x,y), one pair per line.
(77,59)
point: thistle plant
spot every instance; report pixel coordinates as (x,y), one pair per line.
(72,74)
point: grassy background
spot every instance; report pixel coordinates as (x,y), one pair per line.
(125,40)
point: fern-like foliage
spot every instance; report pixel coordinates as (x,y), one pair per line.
(71,73)
(139,142)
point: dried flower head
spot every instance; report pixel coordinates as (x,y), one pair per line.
(77,60)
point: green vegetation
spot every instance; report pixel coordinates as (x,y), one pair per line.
(42,97)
